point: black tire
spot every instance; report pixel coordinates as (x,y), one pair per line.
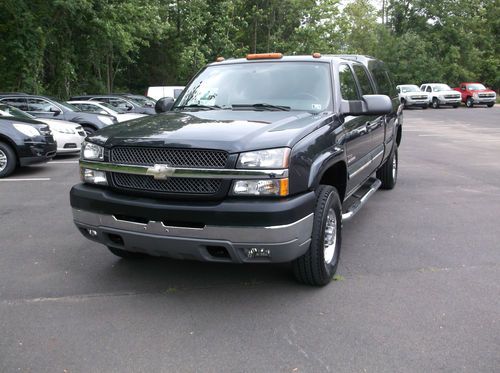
(8,160)
(455,106)
(435,103)
(89,130)
(126,254)
(425,107)
(491,104)
(403,102)
(312,268)
(469,102)
(388,173)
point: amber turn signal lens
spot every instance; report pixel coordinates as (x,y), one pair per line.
(219,59)
(316,55)
(284,187)
(264,56)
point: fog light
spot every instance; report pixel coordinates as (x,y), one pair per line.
(93,176)
(258,252)
(92,232)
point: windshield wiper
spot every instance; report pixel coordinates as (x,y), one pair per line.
(196,106)
(262,106)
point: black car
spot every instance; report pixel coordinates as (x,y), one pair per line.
(119,101)
(23,142)
(260,160)
(44,107)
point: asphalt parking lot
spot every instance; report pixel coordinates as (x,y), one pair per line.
(418,287)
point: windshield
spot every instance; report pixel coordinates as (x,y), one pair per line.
(143,100)
(291,85)
(9,111)
(68,106)
(409,88)
(441,87)
(112,108)
(476,87)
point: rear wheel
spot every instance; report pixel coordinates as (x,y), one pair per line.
(126,254)
(469,102)
(388,173)
(435,103)
(318,265)
(8,160)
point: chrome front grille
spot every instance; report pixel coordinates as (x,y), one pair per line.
(172,185)
(452,96)
(173,157)
(486,95)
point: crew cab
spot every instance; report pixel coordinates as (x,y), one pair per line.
(410,95)
(260,160)
(476,94)
(441,95)
(23,142)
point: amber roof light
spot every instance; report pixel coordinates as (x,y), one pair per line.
(219,59)
(264,56)
(316,55)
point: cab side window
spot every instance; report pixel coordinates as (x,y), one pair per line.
(383,81)
(429,89)
(364,80)
(348,87)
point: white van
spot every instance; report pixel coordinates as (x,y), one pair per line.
(166,91)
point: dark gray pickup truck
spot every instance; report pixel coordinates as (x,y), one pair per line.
(260,160)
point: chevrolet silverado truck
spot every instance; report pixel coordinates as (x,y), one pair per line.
(410,96)
(441,95)
(476,94)
(259,160)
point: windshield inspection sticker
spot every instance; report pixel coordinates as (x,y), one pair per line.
(316,106)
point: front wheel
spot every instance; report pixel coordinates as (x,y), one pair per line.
(435,103)
(469,102)
(388,173)
(8,160)
(425,107)
(318,265)
(88,129)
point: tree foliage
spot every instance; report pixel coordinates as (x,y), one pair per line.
(65,47)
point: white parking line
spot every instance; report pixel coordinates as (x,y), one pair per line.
(63,162)
(28,179)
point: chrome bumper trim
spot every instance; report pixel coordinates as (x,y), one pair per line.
(299,230)
(164,171)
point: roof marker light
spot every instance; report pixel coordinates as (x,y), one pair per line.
(264,56)
(316,55)
(219,59)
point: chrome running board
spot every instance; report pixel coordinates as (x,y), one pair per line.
(360,197)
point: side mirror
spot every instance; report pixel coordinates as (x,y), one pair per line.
(55,110)
(129,107)
(369,105)
(164,104)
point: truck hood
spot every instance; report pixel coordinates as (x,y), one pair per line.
(232,131)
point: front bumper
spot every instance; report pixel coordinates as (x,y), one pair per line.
(450,101)
(36,152)
(484,100)
(192,230)
(68,143)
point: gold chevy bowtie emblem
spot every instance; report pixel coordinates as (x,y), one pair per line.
(160,171)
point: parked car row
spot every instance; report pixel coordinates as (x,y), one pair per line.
(35,128)
(440,94)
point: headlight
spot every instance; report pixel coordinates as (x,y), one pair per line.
(62,129)
(272,187)
(105,120)
(475,95)
(270,158)
(92,152)
(29,131)
(93,176)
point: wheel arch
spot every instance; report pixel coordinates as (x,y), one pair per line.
(12,144)
(336,176)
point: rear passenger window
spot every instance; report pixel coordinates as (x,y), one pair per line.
(383,82)
(20,103)
(348,87)
(364,80)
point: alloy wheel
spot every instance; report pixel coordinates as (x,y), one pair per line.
(330,240)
